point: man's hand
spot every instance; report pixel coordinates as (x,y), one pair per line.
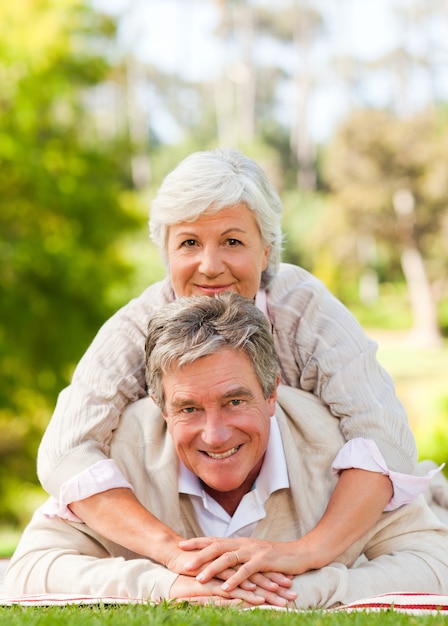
(211,592)
(267,564)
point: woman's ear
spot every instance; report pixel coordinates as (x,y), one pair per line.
(267,252)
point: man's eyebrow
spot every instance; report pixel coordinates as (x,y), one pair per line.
(179,403)
(244,392)
(240,392)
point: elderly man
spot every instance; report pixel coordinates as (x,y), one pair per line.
(241,468)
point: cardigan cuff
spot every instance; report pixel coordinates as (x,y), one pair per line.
(364,454)
(101,476)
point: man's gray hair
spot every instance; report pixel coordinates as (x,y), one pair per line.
(194,327)
(209,181)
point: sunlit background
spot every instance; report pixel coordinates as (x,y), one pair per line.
(345,105)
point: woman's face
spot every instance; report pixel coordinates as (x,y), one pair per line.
(219,252)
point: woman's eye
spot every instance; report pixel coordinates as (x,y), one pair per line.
(188,243)
(233,242)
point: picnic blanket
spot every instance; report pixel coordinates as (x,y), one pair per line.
(410,603)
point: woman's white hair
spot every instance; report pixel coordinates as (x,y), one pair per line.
(209,181)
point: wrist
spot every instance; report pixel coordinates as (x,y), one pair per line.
(312,551)
(164,547)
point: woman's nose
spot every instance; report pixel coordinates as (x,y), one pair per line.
(211,263)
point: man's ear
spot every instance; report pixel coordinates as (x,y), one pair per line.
(273,397)
(161,411)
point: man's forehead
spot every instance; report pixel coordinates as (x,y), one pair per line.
(182,395)
(224,358)
(221,372)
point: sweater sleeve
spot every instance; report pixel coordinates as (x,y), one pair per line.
(54,556)
(108,377)
(323,350)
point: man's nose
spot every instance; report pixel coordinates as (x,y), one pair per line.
(215,431)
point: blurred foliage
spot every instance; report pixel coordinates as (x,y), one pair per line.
(375,155)
(73,233)
(384,214)
(420,379)
(66,203)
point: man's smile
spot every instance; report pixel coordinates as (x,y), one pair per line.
(222,455)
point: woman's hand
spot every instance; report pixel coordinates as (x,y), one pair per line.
(187,588)
(267,564)
(273,585)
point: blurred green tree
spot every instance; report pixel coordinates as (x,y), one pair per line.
(67,204)
(389,181)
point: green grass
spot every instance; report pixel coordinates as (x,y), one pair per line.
(167,615)
(420,377)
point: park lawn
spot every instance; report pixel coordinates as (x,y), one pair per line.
(184,615)
(421,380)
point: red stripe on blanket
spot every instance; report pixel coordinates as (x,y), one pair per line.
(404,602)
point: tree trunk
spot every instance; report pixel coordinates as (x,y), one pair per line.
(246,86)
(426,332)
(301,143)
(235,90)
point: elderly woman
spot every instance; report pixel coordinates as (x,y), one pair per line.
(216,219)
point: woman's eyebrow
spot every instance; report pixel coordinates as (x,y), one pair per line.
(192,233)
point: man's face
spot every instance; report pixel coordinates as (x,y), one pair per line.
(219,420)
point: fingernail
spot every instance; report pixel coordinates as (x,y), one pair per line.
(200,577)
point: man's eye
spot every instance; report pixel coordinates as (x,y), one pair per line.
(235,402)
(188,409)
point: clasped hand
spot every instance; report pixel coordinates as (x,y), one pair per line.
(211,570)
